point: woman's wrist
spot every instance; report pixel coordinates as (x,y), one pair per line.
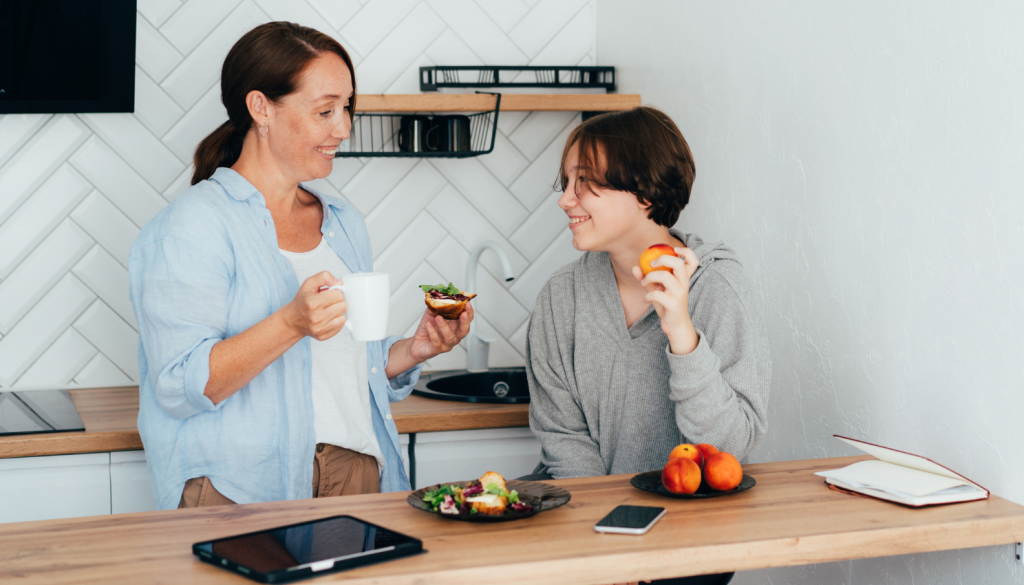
(401,358)
(415,360)
(287,323)
(683,339)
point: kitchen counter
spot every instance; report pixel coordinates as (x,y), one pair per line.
(789,518)
(110,416)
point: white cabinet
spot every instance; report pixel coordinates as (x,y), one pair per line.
(67,486)
(58,486)
(459,455)
(130,489)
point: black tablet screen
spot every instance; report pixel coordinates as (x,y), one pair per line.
(304,544)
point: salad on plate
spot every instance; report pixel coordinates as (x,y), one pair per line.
(487,495)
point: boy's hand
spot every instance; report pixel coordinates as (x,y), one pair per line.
(669,292)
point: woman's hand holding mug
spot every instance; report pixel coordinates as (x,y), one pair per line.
(315,313)
(319,310)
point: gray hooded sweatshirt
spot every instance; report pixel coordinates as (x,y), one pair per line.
(605,399)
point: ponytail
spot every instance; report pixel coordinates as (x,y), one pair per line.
(269,59)
(220,149)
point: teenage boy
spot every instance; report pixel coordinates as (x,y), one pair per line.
(623,367)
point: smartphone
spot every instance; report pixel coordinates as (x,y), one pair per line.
(630,519)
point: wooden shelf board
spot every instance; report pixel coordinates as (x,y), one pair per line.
(468,102)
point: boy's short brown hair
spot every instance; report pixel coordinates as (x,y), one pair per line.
(640,151)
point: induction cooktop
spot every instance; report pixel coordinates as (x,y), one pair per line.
(38,411)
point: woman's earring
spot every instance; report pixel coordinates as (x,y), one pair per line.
(264,129)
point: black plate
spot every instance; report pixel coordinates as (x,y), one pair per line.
(651,482)
(542,496)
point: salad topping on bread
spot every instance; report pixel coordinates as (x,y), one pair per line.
(447,301)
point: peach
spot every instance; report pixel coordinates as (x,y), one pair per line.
(688,451)
(722,472)
(653,252)
(680,476)
(706,450)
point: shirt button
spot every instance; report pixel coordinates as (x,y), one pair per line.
(388,416)
(330,234)
(373,370)
(320,448)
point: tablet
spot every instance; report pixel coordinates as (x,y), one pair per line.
(300,551)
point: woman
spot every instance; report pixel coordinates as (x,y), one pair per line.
(250,389)
(623,367)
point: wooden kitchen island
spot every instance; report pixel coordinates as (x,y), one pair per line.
(789,518)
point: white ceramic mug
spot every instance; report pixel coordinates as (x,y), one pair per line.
(368,295)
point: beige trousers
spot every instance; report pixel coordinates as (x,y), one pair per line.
(336,472)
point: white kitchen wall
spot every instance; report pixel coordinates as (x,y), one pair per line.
(76,189)
(864,158)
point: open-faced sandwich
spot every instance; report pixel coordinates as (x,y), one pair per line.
(447,301)
(487,495)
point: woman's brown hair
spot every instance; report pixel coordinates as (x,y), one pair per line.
(269,59)
(640,151)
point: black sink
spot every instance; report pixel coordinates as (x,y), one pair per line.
(499,385)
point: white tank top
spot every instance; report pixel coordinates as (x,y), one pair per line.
(341,388)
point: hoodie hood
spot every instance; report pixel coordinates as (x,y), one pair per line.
(706,252)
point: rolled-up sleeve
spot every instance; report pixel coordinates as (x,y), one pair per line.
(180,295)
(401,385)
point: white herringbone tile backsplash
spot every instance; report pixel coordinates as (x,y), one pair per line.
(76,189)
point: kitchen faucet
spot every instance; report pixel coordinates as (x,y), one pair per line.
(477,349)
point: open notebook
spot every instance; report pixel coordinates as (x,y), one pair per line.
(904,478)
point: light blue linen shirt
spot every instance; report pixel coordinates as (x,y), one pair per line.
(205,268)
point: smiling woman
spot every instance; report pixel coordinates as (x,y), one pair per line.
(259,83)
(251,390)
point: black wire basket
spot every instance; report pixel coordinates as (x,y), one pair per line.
(573,77)
(421,135)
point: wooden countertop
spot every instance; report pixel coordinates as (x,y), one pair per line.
(789,518)
(110,416)
(510,102)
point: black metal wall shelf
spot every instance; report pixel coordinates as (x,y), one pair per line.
(378,135)
(439,76)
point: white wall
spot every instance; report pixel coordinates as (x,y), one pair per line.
(75,189)
(864,158)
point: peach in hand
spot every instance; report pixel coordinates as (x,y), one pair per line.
(680,476)
(688,451)
(723,472)
(653,252)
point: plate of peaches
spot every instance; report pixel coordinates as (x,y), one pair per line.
(489,499)
(694,472)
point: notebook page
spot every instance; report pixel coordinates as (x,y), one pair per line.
(953,495)
(904,459)
(891,477)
